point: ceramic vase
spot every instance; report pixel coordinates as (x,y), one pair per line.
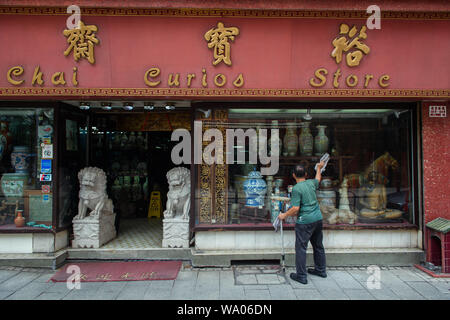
(291,140)
(305,140)
(13,184)
(255,189)
(321,141)
(19,221)
(20,159)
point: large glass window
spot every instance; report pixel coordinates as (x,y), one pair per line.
(26,167)
(367,180)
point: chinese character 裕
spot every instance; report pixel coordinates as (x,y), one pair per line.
(354,47)
(218,39)
(82,41)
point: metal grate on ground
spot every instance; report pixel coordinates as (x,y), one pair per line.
(138,234)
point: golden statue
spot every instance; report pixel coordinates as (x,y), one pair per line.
(374,200)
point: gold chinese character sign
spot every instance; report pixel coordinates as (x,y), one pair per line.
(82,41)
(353,46)
(218,39)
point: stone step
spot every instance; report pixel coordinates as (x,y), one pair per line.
(335,257)
(126,254)
(34,260)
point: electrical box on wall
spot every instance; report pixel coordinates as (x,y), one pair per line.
(437,111)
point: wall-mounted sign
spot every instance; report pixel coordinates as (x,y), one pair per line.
(437,111)
(45,188)
(45,177)
(46,166)
(277,55)
(47,151)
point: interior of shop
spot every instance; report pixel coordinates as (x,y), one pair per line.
(134,150)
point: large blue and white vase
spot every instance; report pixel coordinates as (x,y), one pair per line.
(20,159)
(255,189)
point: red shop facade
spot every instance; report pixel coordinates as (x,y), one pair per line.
(376,100)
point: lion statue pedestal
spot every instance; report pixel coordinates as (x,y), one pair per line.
(97,228)
(176,215)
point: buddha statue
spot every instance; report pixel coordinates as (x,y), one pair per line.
(373,201)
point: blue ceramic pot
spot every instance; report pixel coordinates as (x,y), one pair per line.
(255,189)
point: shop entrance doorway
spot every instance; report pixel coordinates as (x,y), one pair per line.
(135,158)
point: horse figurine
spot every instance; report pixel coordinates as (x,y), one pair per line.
(381,165)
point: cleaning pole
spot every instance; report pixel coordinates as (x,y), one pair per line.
(283,265)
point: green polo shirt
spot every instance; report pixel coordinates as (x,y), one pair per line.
(304,196)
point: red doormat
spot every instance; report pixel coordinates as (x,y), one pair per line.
(119,271)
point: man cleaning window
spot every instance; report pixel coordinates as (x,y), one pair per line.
(309,223)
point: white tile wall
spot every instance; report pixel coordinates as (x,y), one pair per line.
(362,239)
(342,239)
(400,239)
(225,241)
(382,239)
(333,239)
(16,243)
(61,240)
(205,240)
(244,239)
(43,242)
(416,239)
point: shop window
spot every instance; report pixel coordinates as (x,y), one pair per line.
(72,155)
(26,167)
(367,181)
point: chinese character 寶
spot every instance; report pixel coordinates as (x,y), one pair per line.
(354,47)
(218,39)
(82,41)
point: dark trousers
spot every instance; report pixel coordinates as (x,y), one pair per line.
(304,233)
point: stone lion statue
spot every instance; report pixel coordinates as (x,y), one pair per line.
(179,195)
(93,193)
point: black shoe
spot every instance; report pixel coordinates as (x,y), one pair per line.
(294,277)
(317,273)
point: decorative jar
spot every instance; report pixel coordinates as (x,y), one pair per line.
(13,184)
(291,140)
(19,221)
(321,141)
(20,159)
(305,140)
(255,189)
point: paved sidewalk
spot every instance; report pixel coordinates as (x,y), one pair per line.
(237,283)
